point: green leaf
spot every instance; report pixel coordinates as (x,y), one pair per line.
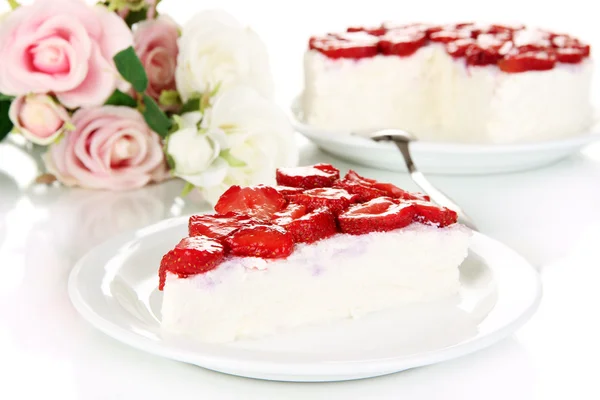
(5,97)
(231,160)
(156,119)
(119,98)
(191,105)
(170,161)
(14,4)
(131,68)
(6,124)
(135,16)
(187,189)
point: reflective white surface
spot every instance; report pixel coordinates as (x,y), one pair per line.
(114,287)
(551,216)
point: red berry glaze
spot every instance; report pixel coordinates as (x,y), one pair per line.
(193,255)
(402,42)
(337,200)
(263,241)
(310,177)
(316,225)
(378,215)
(254,201)
(347,45)
(431,214)
(217,226)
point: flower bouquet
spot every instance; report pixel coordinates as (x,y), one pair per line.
(120,96)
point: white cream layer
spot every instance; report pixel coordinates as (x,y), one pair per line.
(439,98)
(340,277)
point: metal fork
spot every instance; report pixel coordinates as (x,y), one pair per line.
(402,140)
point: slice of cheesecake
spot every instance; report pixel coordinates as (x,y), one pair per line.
(316,248)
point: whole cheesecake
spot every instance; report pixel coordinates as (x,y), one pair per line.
(453,83)
(315,249)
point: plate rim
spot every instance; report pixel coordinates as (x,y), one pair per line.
(288,371)
(343,137)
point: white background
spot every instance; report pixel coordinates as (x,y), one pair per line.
(550,216)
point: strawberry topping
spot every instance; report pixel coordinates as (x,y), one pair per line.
(378,215)
(402,42)
(291,212)
(515,62)
(193,255)
(217,226)
(363,191)
(375,31)
(337,200)
(319,175)
(429,213)
(285,190)
(255,201)
(316,225)
(345,45)
(387,188)
(571,55)
(264,241)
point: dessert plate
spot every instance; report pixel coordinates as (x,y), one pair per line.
(114,287)
(440,157)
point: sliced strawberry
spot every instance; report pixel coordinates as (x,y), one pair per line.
(515,62)
(337,200)
(378,215)
(255,201)
(447,36)
(285,190)
(290,213)
(375,31)
(431,214)
(496,28)
(316,225)
(388,188)
(569,55)
(193,255)
(402,42)
(481,56)
(217,226)
(458,48)
(345,45)
(365,192)
(263,241)
(309,177)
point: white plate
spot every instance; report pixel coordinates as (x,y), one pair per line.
(115,288)
(441,157)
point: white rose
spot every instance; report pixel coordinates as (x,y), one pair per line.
(215,48)
(195,154)
(258,139)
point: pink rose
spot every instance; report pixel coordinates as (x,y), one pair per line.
(110,148)
(38,117)
(156,46)
(63,47)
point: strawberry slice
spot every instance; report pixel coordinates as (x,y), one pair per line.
(365,192)
(431,214)
(402,42)
(568,42)
(447,36)
(255,201)
(569,55)
(517,61)
(193,255)
(388,188)
(310,177)
(290,213)
(345,45)
(378,215)
(217,226)
(458,48)
(316,225)
(480,56)
(285,190)
(263,241)
(375,31)
(337,200)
